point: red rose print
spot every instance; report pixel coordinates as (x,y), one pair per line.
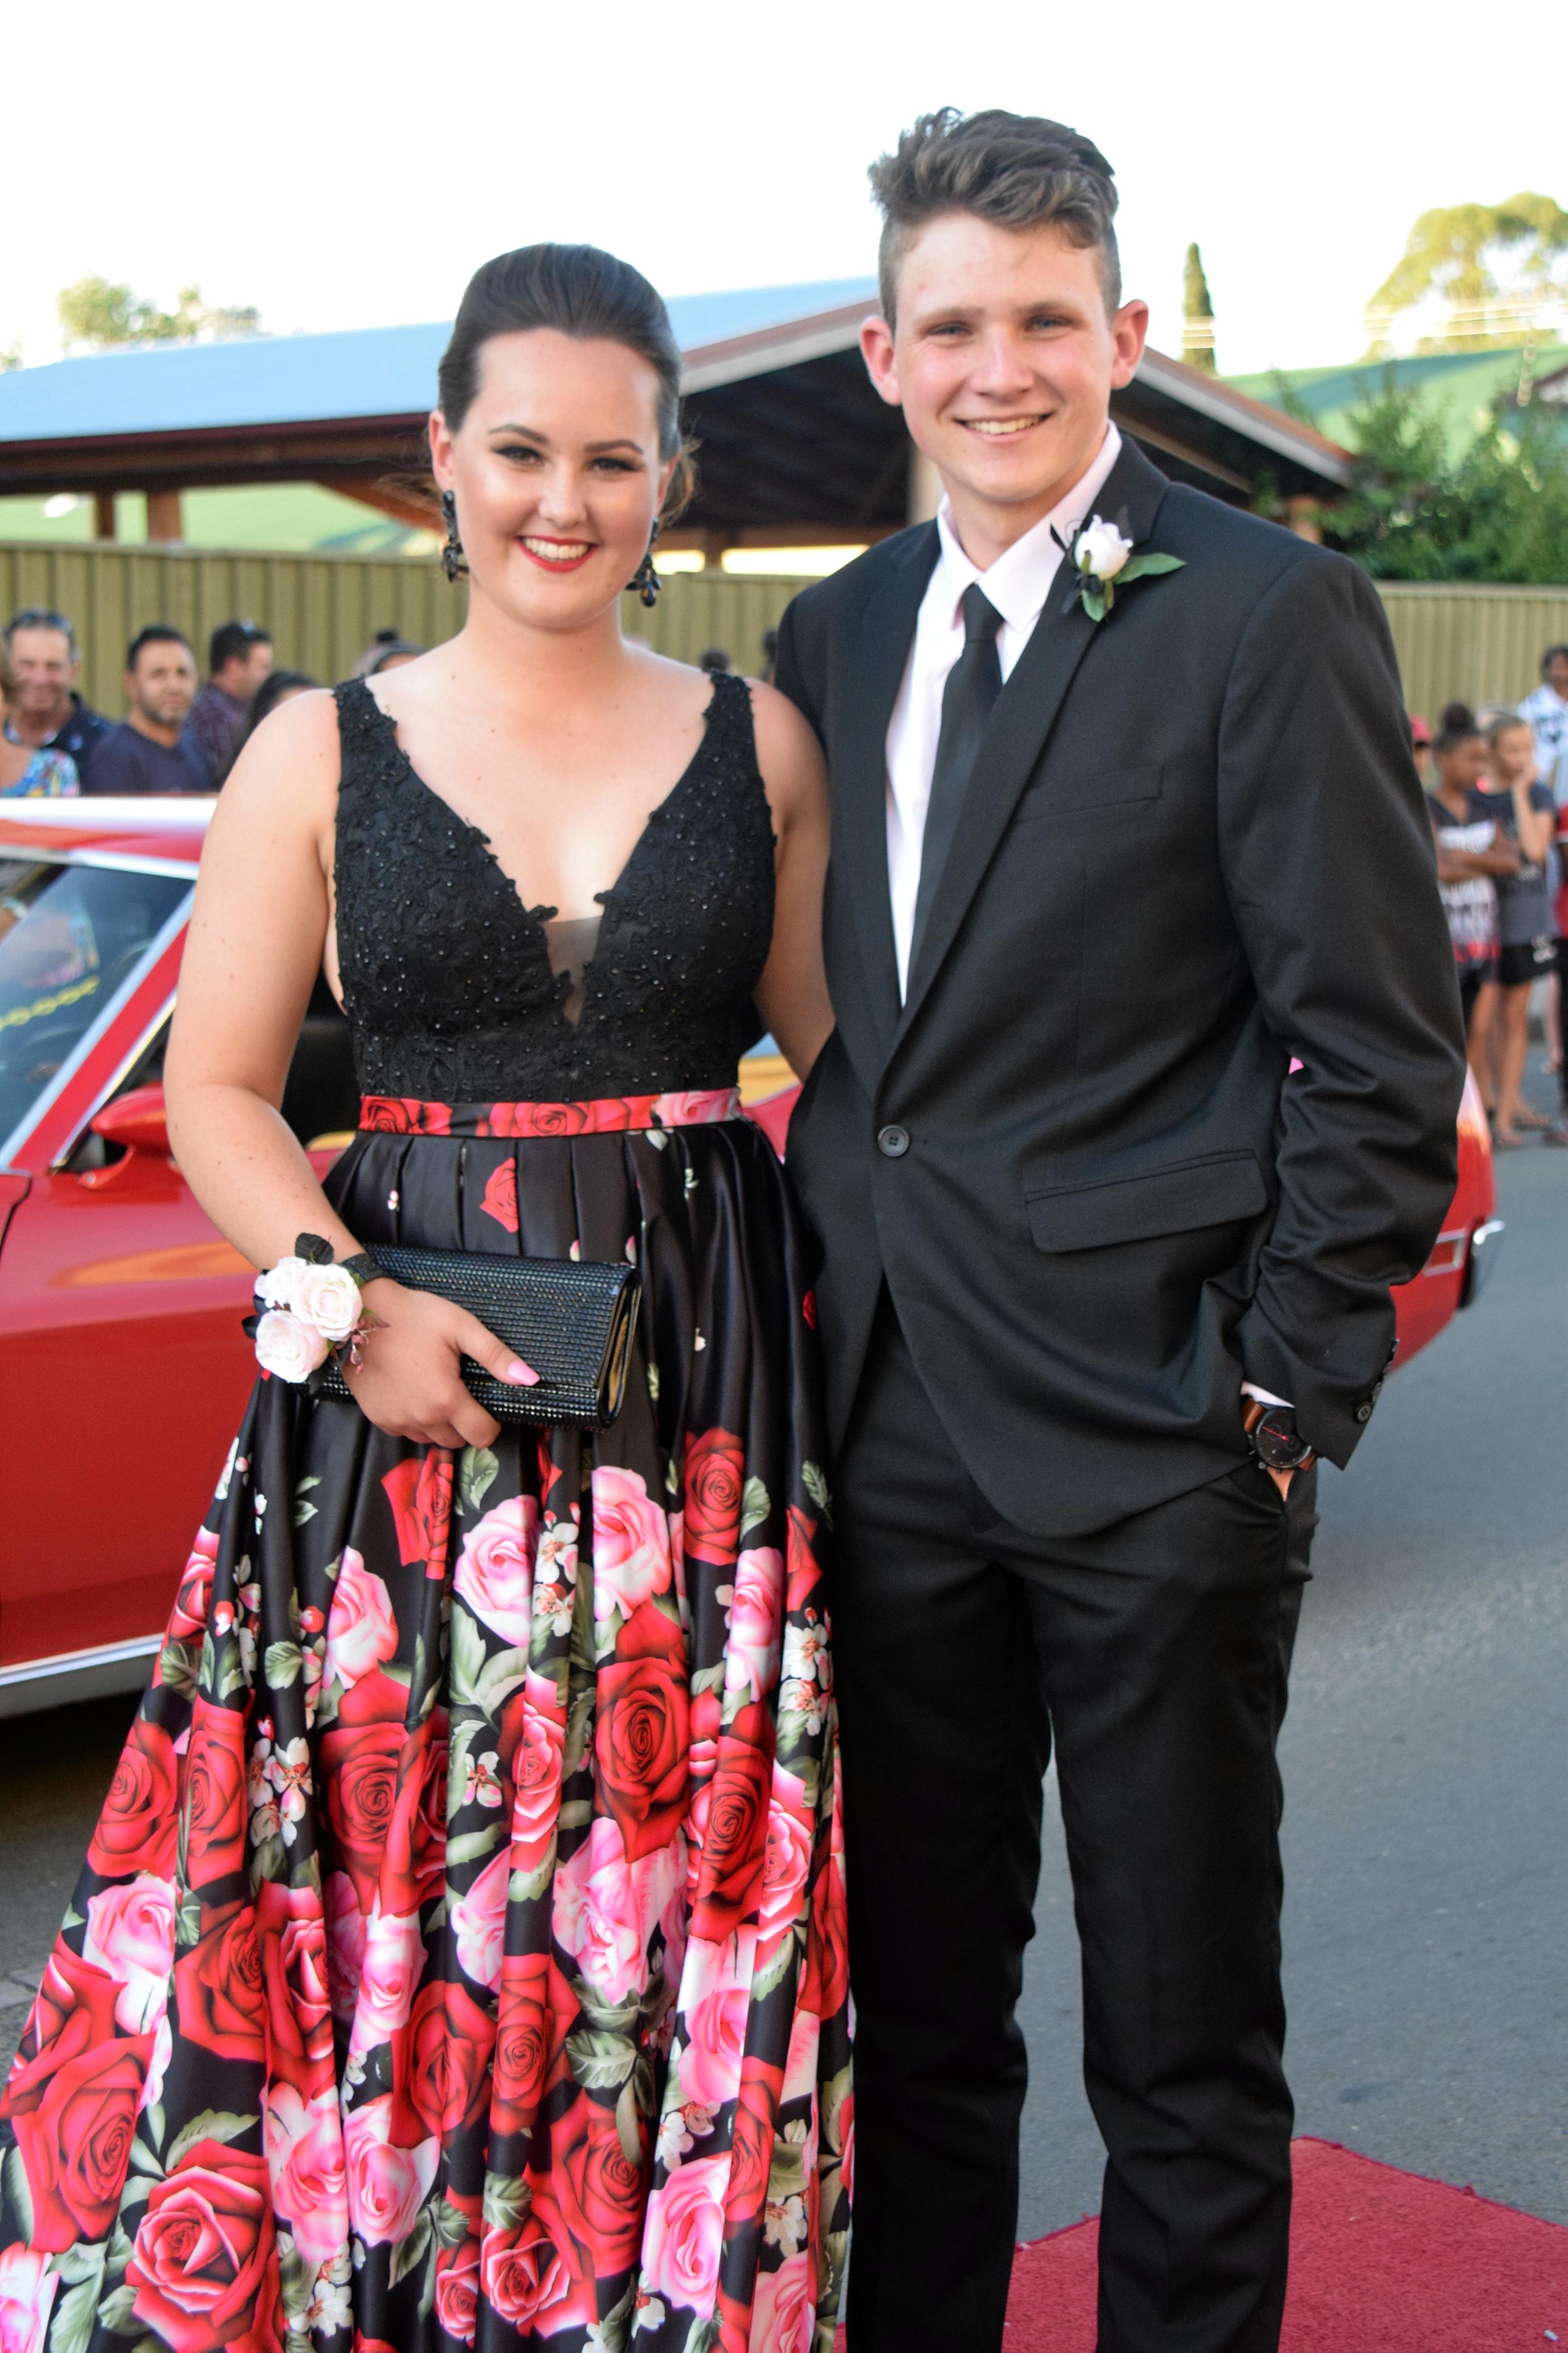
(189,1615)
(138,1827)
(359,1766)
(213,1794)
(74,2012)
(450,2042)
(534,2276)
(293,1937)
(715,1477)
(75,2142)
(825,1981)
(419,1491)
(536,2012)
(538,1119)
(203,2269)
(640,1738)
(600,2188)
(751,2142)
(458,2290)
(499,1199)
(376,1698)
(803,1575)
(733,1826)
(404,1116)
(222,2004)
(808,1308)
(414,1860)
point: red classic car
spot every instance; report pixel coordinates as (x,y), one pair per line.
(123,1370)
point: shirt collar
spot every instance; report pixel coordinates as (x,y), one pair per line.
(1020,580)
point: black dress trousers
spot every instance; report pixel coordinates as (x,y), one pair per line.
(1156,1653)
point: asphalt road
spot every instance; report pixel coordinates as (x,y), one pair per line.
(1424,1757)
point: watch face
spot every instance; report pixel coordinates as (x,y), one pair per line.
(1278,1444)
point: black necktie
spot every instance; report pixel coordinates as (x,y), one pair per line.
(974,683)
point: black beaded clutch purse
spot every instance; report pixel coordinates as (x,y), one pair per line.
(573,1323)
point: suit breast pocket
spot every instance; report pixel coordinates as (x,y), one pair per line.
(1066,789)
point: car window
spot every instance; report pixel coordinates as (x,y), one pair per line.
(69,936)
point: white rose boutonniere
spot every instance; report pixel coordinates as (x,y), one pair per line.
(287,1347)
(1107,563)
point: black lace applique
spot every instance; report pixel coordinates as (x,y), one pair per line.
(446,977)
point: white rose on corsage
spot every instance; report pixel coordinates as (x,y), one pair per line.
(1100,550)
(327,1297)
(275,1287)
(287,1347)
(1107,563)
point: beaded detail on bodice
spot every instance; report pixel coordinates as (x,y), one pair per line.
(448,979)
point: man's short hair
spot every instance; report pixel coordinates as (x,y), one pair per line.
(1548,657)
(41,617)
(233,641)
(1018,170)
(157,633)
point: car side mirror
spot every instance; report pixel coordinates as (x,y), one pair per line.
(137,1120)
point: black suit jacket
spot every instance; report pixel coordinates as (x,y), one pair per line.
(1193,847)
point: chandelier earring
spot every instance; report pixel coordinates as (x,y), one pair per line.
(452,562)
(645,580)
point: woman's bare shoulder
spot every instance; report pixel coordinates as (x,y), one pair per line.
(788,753)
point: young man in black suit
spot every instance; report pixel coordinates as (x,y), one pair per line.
(1120,829)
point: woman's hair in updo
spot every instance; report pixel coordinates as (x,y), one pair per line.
(579,290)
(1457,723)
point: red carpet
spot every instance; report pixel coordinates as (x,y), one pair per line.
(1381,2261)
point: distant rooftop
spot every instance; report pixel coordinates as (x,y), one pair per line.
(1464,389)
(358,372)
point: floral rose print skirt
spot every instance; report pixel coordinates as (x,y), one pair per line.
(459,1957)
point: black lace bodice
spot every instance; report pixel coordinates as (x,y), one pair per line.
(448,979)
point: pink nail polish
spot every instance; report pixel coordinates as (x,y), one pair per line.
(522,1374)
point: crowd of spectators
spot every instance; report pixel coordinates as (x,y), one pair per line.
(179,735)
(1498,796)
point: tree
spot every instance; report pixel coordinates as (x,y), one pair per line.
(1198,312)
(98,315)
(1495,265)
(1497,512)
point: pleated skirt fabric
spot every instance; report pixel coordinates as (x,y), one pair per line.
(460,1958)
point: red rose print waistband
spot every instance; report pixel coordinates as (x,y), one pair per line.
(405,1115)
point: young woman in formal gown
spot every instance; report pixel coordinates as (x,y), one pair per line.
(459,1957)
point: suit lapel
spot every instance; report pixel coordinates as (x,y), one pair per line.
(881,652)
(1022,721)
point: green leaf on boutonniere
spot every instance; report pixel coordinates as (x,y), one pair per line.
(1097,597)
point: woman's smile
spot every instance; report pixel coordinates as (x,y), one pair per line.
(556,554)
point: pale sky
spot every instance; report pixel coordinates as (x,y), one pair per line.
(342,166)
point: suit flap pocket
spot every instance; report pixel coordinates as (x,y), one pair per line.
(1217,1190)
(1102,789)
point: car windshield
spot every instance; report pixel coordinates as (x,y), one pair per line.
(68,937)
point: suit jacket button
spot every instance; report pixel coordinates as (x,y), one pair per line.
(892,1142)
(1364,1413)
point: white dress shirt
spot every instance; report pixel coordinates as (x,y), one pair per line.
(1017,585)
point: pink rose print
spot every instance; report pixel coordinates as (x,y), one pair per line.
(847,2145)
(800,2067)
(536,1773)
(495,1568)
(479,1922)
(606,1909)
(131,1936)
(394,1955)
(345,1942)
(361,1629)
(756,1623)
(788,1862)
(684,2230)
(699,1108)
(499,1200)
(710,2063)
(631,1542)
(305,2160)
(26,2294)
(784,2310)
(386,2185)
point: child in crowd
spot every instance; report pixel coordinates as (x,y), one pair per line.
(1527,933)
(1471,855)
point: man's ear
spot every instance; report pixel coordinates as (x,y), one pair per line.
(877,351)
(1129,332)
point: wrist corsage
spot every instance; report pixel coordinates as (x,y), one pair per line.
(309,1309)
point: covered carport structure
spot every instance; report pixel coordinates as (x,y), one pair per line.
(794,447)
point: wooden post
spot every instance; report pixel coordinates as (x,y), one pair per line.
(165,524)
(103,514)
(1304,519)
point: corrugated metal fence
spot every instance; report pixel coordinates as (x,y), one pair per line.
(1483,645)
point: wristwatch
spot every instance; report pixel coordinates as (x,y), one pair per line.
(1275,1441)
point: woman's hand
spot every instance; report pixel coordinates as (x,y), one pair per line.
(408,1380)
